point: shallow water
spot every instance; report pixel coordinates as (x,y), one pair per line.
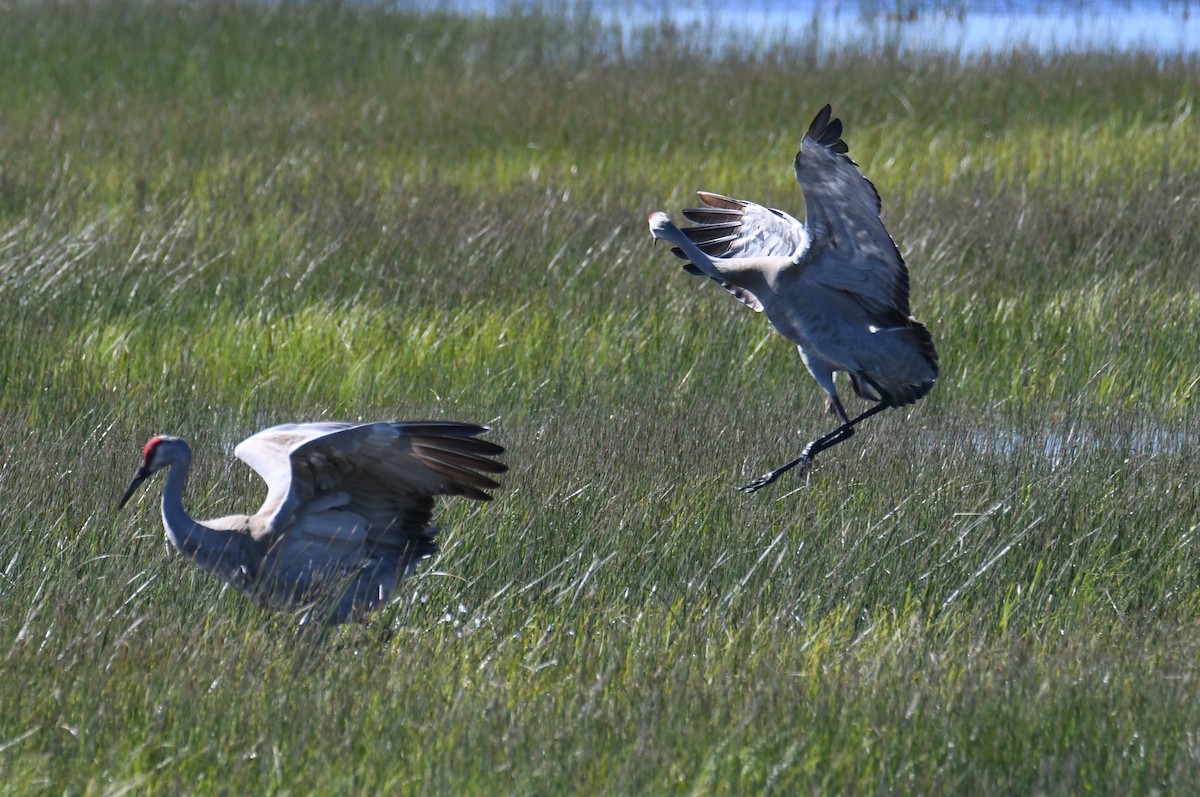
(968,29)
(1059,446)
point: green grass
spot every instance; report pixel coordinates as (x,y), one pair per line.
(215,217)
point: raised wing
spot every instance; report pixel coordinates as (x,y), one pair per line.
(386,473)
(734,228)
(851,249)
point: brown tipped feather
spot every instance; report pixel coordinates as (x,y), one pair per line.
(462,445)
(463,482)
(467,461)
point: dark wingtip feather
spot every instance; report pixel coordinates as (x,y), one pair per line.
(453,451)
(454,437)
(820,120)
(463,481)
(832,132)
(827,131)
(429,449)
(713,216)
(675,250)
(455,429)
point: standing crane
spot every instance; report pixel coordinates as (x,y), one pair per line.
(837,286)
(348,512)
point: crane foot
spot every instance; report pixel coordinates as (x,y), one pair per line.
(759,483)
(804,462)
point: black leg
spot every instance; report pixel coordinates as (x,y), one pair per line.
(843,432)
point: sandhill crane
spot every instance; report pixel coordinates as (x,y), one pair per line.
(348,511)
(836,287)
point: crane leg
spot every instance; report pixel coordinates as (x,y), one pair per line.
(805,460)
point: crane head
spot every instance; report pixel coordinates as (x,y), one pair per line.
(151,462)
(659,222)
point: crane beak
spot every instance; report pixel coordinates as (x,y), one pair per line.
(139,477)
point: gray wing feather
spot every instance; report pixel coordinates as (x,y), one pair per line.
(851,250)
(388,473)
(734,228)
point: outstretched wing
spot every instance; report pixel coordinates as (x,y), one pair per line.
(387,474)
(851,249)
(734,228)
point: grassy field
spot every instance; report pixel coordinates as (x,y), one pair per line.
(215,217)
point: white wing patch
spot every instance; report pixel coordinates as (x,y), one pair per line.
(730,229)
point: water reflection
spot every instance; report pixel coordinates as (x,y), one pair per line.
(1059,446)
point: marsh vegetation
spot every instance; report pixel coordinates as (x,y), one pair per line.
(215,217)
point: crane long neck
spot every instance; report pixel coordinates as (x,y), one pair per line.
(216,551)
(698,256)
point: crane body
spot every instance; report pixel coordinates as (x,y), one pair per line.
(348,512)
(835,286)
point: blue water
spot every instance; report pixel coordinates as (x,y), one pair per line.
(967,27)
